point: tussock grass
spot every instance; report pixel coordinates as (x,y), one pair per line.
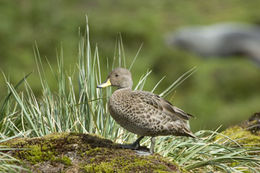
(207,153)
(78,106)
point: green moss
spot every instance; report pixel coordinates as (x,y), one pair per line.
(102,167)
(107,160)
(141,164)
(241,136)
(35,154)
(123,165)
(40,153)
(66,160)
(92,160)
(94,151)
(90,154)
(159,171)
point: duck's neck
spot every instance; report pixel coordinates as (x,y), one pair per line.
(126,88)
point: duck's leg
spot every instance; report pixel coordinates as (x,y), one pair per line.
(152,145)
(133,146)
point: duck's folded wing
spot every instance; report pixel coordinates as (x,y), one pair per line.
(162,104)
(173,109)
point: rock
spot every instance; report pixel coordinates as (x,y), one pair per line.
(74,152)
(253,123)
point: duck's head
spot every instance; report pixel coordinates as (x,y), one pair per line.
(119,77)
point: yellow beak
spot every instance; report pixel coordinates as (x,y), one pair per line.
(105,84)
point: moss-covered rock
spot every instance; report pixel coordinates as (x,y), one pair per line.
(246,134)
(73,152)
(240,136)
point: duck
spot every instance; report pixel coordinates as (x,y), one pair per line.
(143,113)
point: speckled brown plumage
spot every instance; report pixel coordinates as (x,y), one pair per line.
(141,112)
(147,114)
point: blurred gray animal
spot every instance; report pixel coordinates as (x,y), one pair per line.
(219,40)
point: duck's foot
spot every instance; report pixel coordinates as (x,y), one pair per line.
(133,146)
(129,146)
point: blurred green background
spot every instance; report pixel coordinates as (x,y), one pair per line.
(221,92)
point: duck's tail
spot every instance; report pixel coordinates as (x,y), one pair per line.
(188,132)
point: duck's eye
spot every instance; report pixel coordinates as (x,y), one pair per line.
(116,75)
